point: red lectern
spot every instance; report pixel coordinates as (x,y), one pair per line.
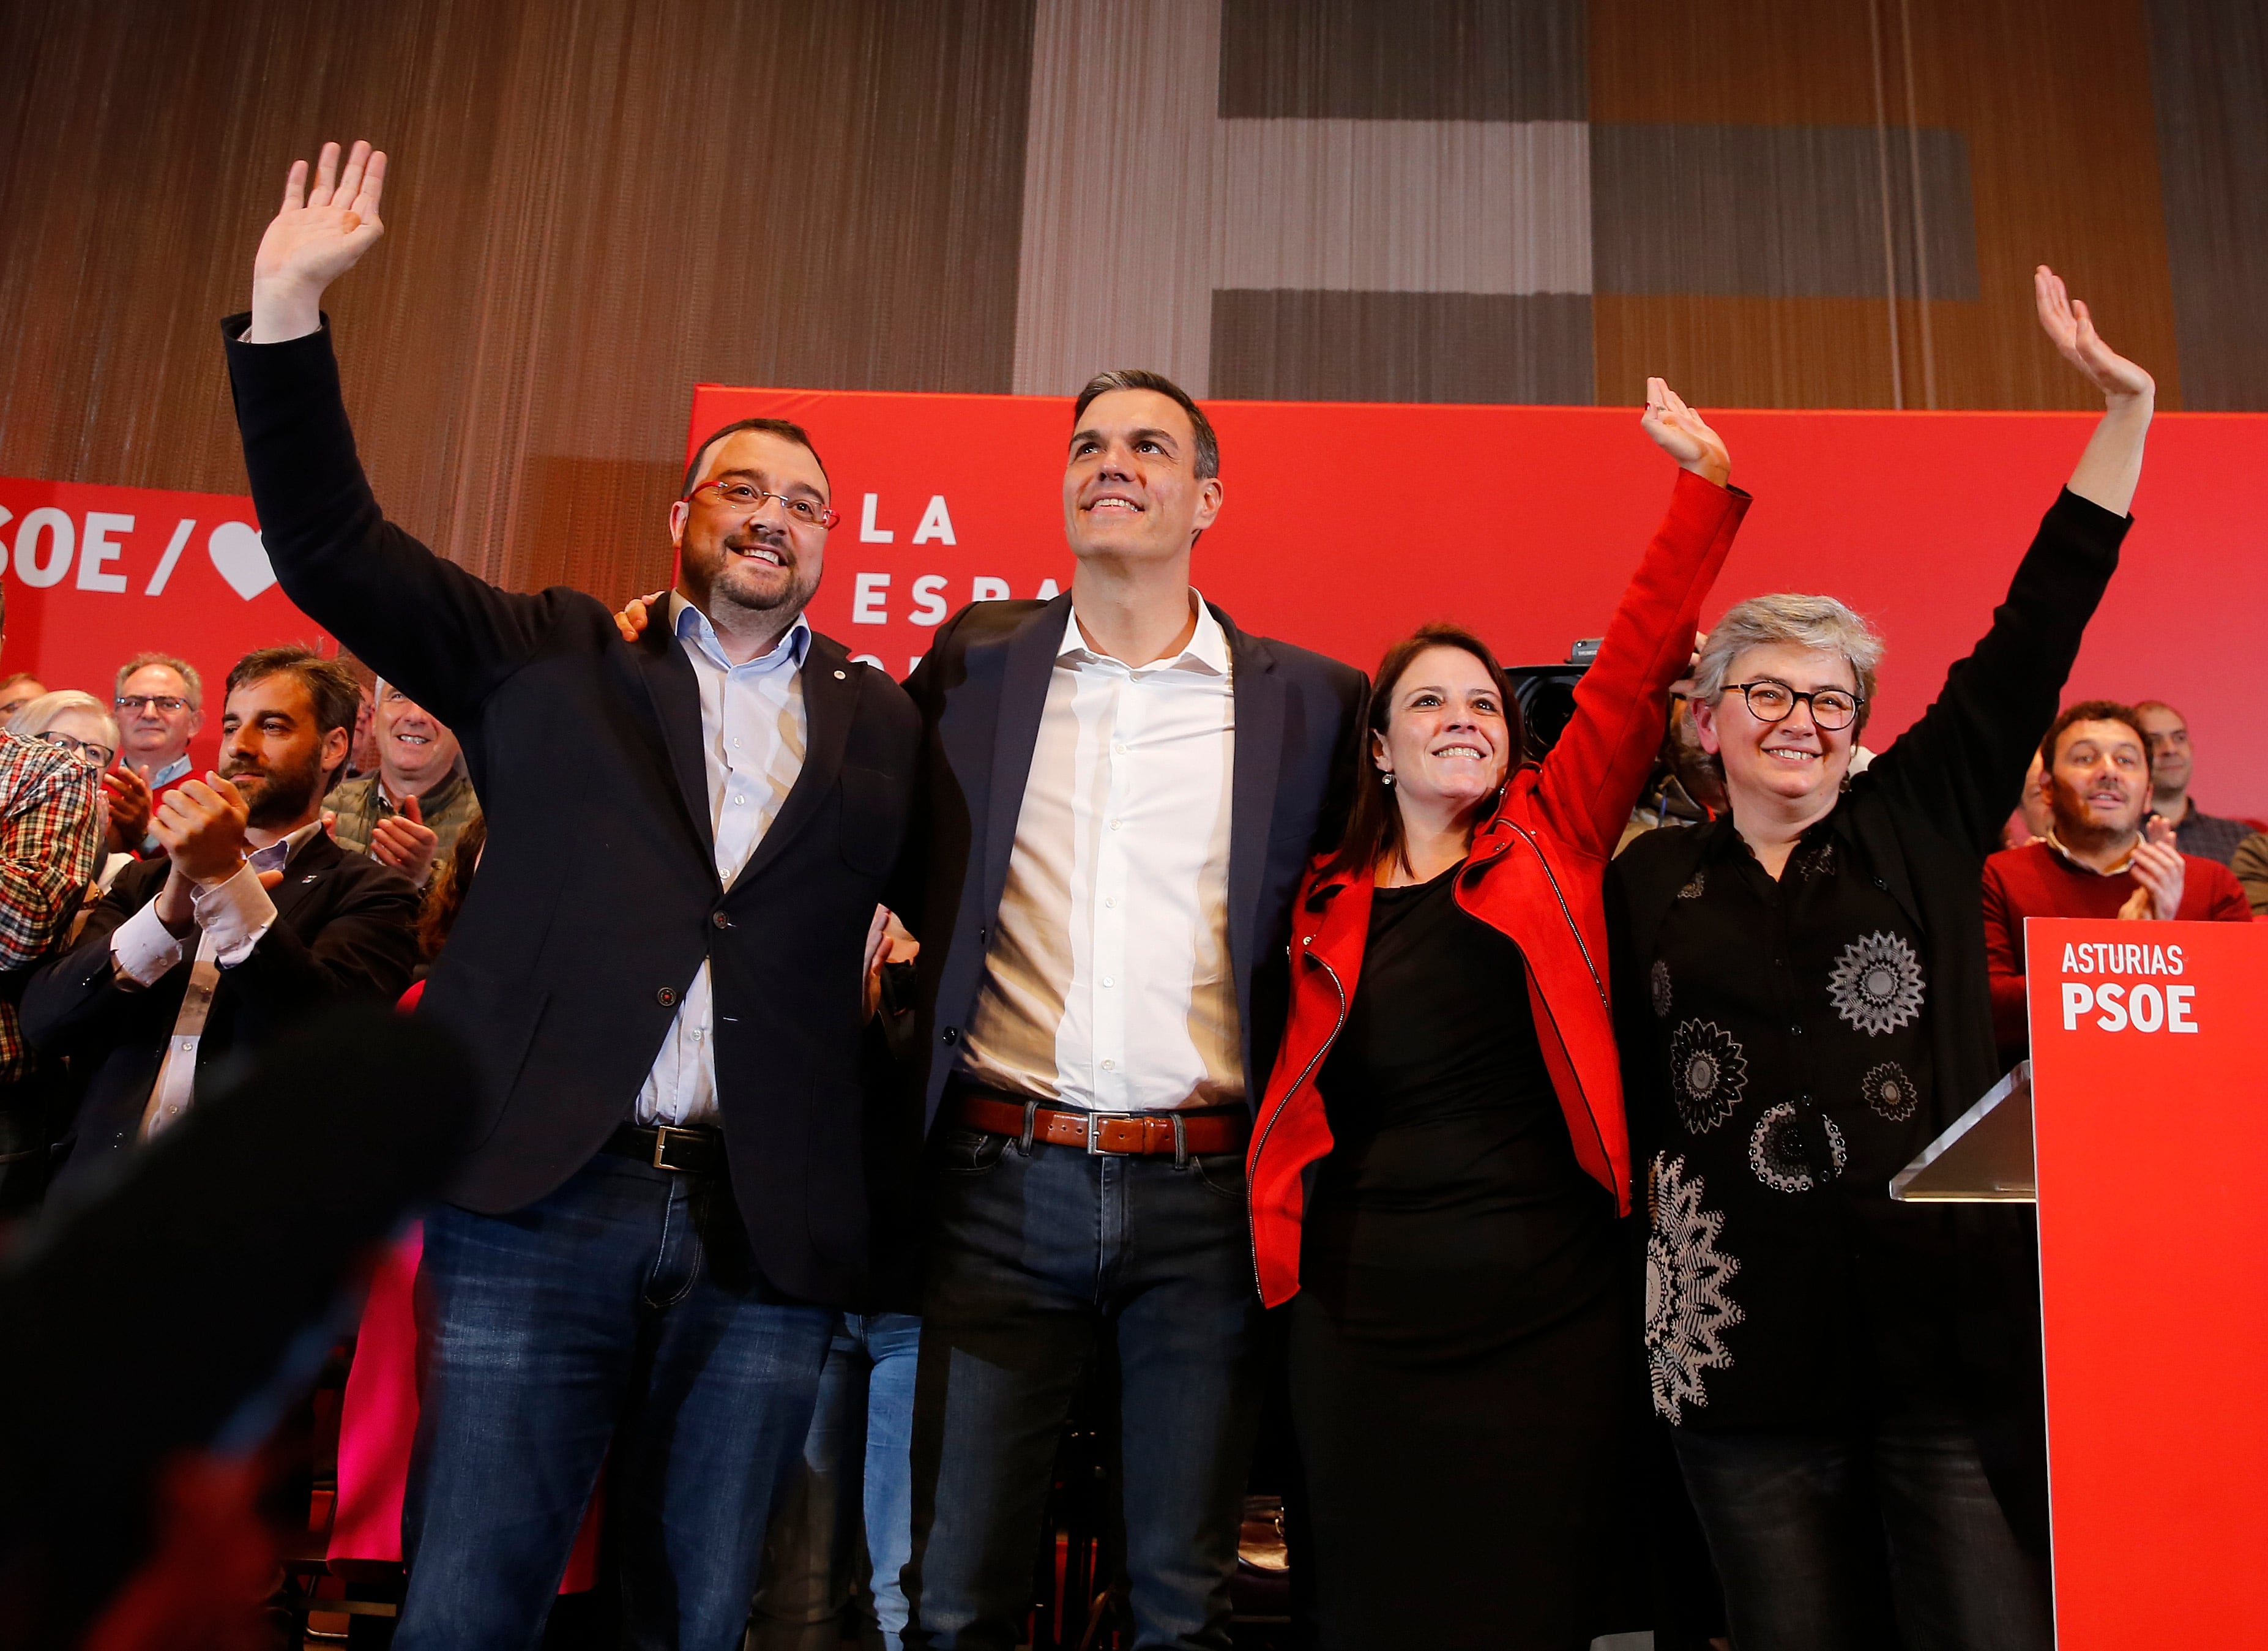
(2150,1121)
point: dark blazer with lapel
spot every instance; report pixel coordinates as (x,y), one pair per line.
(598,897)
(345,927)
(981,688)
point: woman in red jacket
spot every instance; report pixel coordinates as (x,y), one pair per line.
(1440,1156)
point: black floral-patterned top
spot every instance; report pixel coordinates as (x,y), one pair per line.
(1784,1292)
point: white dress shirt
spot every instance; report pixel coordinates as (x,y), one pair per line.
(753,736)
(231,918)
(1108,984)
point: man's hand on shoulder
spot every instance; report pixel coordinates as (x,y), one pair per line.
(321,231)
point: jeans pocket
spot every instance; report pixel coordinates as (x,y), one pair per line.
(961,1151)
(1222,1173)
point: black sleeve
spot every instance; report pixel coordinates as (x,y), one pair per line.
(366,948)
(417,619)
(1963,762)
(1353,689)
(907,892)
(74,997)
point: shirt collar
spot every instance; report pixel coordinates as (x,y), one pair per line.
(278,854)
(689,624)
(1206,650)
(171,772)
(2055,847)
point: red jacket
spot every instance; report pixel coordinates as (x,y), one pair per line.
(1538,872)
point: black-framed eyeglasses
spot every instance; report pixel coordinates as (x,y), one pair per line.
(1831,708)
(132,704)
(96,756)
(747,498)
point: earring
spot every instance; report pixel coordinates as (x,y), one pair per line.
(1386,779)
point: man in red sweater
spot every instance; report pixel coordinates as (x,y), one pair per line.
(2095,860)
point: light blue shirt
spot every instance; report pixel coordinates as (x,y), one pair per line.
(754,732)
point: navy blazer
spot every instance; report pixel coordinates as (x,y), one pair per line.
(597,897)
(980,690)
(345,927)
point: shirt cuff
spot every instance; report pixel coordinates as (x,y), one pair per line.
(142,949)
(235,914)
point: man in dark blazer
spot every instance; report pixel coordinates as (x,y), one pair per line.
(660,968)
(1119,790)
(252,920)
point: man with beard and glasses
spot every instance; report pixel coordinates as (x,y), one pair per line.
(252,920)
(642,1260)
(2097,859)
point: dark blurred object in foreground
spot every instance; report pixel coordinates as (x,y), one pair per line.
(157,1324)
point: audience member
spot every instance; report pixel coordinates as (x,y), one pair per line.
(407,814)
(1685,787)
(49,848)
(252,919)
(2095,859)
(2251,865)
(78,723)
(2172,758)
(1803,1005)
(160,706)
(660,964)
(2030,820)
(362,758)
(18,691)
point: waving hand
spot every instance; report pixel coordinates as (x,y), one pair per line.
(321,231)
(2112,467)
(1684,435)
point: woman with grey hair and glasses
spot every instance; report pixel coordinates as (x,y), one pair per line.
(1852,1385)
(82,725)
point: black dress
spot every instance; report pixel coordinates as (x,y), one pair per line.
(1461,1342)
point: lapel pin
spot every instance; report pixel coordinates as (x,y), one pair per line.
(840,675)
(309,878)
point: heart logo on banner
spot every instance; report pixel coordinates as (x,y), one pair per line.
(236,550)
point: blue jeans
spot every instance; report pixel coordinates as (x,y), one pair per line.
(1033,1255)
(1892,1538)
(813,1550)
(622,1311)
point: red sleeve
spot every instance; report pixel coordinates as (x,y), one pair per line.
(2227,900)
(2004,957)
(1593,774)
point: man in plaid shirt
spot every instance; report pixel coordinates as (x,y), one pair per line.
(50,847)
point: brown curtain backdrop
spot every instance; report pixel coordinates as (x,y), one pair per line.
(596,204)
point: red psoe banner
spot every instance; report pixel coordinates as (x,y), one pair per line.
(95,575)
(1347,525)
(2148,1075)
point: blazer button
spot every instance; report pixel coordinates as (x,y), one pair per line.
(718,920)
(666,997)
(951,1034)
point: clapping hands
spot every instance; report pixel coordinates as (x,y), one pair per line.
(2157,868)
(1681,433)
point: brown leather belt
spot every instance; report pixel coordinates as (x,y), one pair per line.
(1122,1134)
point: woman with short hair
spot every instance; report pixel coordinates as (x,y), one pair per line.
(1439,1162)
(82,725)
(1853,1385)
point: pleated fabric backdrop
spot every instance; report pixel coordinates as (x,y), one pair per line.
(597,203)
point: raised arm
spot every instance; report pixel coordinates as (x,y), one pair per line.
(1963,762)
(445,636)
(2111,467)
(1595,772)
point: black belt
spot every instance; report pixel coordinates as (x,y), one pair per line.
(666,1147)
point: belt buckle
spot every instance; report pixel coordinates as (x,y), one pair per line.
(1093,1149)
(661,1134)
